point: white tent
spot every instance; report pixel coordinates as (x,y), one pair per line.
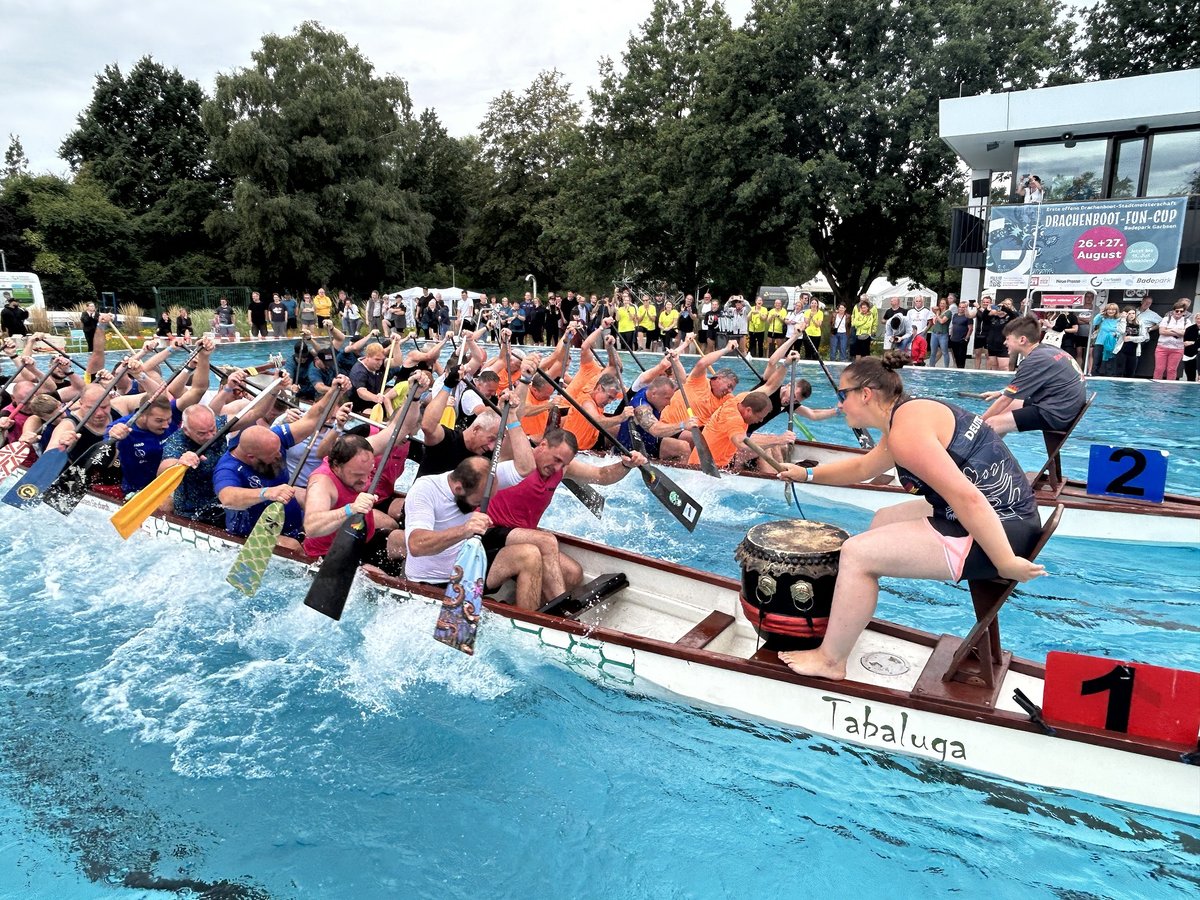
(906,287)
(818,284)
(879,287)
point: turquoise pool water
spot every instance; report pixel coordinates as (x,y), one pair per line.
(163,730)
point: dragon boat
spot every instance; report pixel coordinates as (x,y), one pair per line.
(1120,730)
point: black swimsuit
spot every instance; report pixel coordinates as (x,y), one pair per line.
(983,457)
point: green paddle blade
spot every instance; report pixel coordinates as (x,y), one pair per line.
(43,473)
(331,585)
(251,564)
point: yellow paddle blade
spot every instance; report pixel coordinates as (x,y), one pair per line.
(137,509)
(377,413)
(449,418)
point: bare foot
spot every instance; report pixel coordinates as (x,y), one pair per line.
(813,663)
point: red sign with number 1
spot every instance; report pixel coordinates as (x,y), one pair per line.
(1131,698)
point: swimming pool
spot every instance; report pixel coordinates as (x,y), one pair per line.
(160,723)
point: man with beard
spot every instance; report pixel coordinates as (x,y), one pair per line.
(337,490)
(254,473)
(704,392)
(194,498)
(441,514)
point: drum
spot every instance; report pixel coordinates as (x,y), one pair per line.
(788,573)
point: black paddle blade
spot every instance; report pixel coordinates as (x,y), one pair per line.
(865,441)
(587,495)
(708,465)
(69,488)
(32,486)
(673,497)
(332,583)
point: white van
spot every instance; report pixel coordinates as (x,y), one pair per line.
(25,286)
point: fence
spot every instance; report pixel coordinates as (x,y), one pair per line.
(194,298)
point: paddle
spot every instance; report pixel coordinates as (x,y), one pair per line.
(13,377)
(65,493)
(462,609)
(140,506)
(331,585)
(864,437)
(678,502)
(750,366)
(707,464)
(587,495)
(21,406)
(789,491)
(246,573)
(61,355)
(43,473)
(377,409)
(970,395)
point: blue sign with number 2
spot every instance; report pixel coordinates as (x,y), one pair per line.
(1127,473)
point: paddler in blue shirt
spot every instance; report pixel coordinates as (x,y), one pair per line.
(255,472)
(140,441)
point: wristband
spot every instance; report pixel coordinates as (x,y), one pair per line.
(348,510)
(808,475)
(447,389)
(262,493)
(516,423)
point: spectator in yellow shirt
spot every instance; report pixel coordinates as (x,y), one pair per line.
(864,322)
(776,324)
(811,324)
(757,328)
(323,304)
(668,325)
(626,322)
(647,323)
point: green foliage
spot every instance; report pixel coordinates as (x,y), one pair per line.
(526,142)
(641,196)
(75,237)
(1140,37)
(314,143)
(142,139)
(828,118)
(15,160)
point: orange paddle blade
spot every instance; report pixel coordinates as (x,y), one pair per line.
(140,506)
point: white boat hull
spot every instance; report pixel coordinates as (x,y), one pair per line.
(631,636)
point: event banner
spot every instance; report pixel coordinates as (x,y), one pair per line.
(1104,244)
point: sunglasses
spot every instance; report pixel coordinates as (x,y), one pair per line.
(842,393)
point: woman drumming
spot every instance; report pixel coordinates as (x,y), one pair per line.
(977,518)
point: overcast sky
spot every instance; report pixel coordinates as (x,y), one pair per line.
(455,56)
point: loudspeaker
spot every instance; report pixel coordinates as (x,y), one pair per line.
(980,187)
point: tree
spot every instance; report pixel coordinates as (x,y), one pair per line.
(828,117)
(142,140)
(525,143)
(439,173)
(635,200)
(72,235)
(15,160)
(313,142)
(1140,37)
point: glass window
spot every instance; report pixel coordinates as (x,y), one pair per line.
(1069,173)
(1174,164)
(1128,169)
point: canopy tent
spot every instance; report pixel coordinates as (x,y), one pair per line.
(906,287)
(818,284)
(879,287)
